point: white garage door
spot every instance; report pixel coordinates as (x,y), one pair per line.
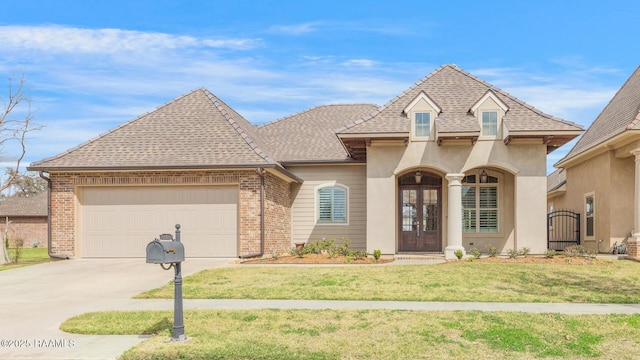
(121,221)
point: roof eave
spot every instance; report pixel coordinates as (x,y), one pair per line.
(597,149)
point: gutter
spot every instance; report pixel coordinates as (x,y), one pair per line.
(55,256)
(260,172)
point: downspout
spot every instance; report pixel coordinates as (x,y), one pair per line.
(260,172)
(61,257)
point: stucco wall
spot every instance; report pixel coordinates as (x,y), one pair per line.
(524,172)
(304,225)
(611,180)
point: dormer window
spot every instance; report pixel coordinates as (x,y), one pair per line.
(489,110)
(490,123)
(422,125)
(422,112)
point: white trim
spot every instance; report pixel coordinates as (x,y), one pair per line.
(429,137)
(317,203)
(591,194)
(422,96)
(489,95)
(484,136)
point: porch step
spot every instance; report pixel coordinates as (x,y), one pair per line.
(437,256)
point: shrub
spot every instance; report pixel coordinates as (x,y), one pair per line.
(512,253)
(299,252)
(475,252)
(492,251)
(458,253)
(524,251)
(376,254)
(550,253)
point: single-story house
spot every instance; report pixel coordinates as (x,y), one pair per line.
(451,163)
(28,219)
(600,176)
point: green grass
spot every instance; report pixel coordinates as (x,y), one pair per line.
(28,256)
(611,282)
(370,334)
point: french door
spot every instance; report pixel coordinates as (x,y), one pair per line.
(420,218)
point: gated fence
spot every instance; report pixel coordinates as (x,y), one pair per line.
(563,229)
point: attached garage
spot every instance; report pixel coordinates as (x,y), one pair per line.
(120,221)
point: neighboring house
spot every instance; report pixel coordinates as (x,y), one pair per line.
(451,163)
(28,219)
(602,174)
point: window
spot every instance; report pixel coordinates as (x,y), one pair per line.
(490,123)
(332,204)
(589,211)
(480,204)
(422,124)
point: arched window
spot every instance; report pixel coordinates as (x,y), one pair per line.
(480,203)
(332,204)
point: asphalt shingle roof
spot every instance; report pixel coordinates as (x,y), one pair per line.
(455,92)
(622,113)
(35,205)
(196,129)
(310,135)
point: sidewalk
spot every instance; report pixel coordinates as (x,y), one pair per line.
(224,304)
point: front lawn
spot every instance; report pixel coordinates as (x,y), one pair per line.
(28,256)
(370,334)
(603,282)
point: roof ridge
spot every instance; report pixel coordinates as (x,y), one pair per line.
(508,95)
(254,144)
(395,99)
(101,135)
(308,110)
(570,153)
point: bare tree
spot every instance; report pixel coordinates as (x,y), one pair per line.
(23,184)
(16,121)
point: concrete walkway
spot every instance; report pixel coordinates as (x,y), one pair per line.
(35,300)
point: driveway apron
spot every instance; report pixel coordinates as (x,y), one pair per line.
(35,300)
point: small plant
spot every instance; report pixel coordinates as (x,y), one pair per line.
(298,251)
(18,243)
(475,252)
(275,254)
(376,254)
(524,252)
(458,253)
(512,253)
(550,253)
(492,251)
(575,251)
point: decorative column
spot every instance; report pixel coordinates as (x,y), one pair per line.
(454,216)
(632,242)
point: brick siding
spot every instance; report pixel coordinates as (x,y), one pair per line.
(30,229)
(632,248)
(277,203)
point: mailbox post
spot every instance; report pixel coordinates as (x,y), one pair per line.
(167,250)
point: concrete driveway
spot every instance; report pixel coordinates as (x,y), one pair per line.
(35,300)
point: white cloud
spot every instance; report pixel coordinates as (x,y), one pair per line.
(360,63)
(59,39)
(295,29)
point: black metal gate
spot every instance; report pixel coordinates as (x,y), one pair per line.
(563,228)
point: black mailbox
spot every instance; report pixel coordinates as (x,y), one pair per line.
(165,250)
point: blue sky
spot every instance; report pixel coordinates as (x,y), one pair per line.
(92,65)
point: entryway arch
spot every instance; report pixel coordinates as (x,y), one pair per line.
(420,212)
